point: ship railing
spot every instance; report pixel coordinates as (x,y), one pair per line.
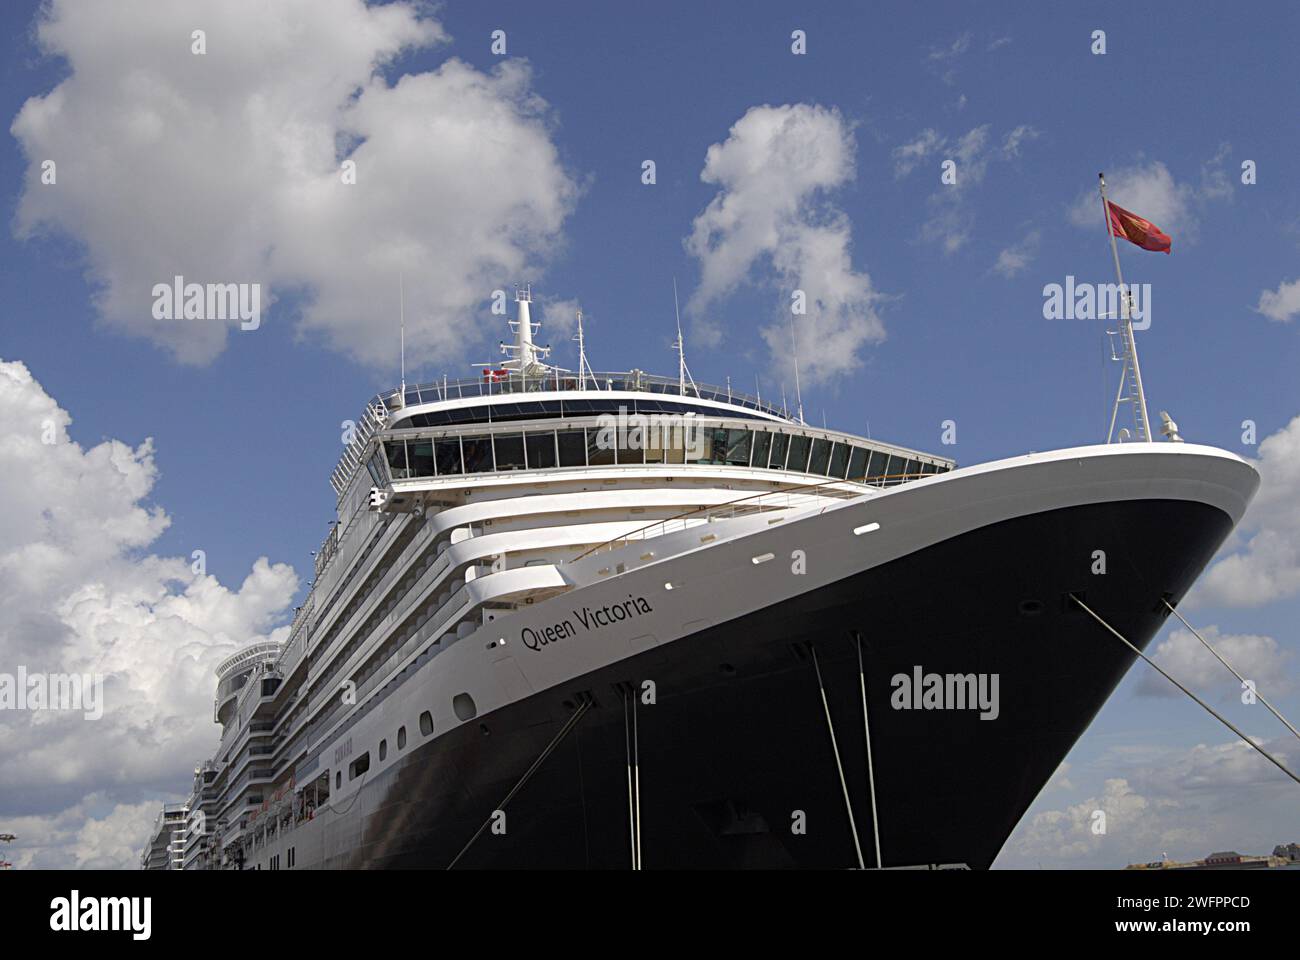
(563,381)
(438,622)
(767,501)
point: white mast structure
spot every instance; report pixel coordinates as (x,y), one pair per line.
(401,312)
(584,368)
(1131,374)
(525,356)
(683,372)
(798,393)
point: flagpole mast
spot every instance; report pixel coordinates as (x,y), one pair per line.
(1126,331)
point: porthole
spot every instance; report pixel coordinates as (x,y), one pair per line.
(401,738)
(464,707)
(426,723)
(383,750)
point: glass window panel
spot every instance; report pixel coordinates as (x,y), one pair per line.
(821,456)
(762,447)
(858,463)
(573,448)
(912,469)
(879,461)
(780,445)
(447,454)
(600,451)
(839,461)
(478,454)
(420,457)
(798,459)
(541,449)
(631,448)
(737,454)
(685,435)
(396,453)
(509,451)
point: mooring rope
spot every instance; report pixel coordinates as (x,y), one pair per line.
(1210,710)
(853,827)
(550,747)
(1244,681)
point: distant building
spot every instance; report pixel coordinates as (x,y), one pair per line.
(1287,851)
(1223,858)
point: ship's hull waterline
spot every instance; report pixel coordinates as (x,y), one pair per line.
(736,765)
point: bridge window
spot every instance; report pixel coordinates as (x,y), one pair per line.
(762,447)
(736,453)
(541,450)
(573,448)
(396,452)
(600,452)
(510,451)
(798,459)
(858,463)
(419,458)
(876,468)
(478,454)
(821,456)
(447,453)
(780,446)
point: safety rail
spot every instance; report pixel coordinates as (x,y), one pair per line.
(733,508)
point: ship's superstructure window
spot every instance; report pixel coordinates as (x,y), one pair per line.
(383,750)
(510,451)
(600,452)
(572,447)
(426,723)
(401,738)
(478,454)
(540,449)
(797,461)
(446,455)
(422,457)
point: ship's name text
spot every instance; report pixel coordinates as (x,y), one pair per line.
(589,618)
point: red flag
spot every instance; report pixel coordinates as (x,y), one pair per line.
(1136,230)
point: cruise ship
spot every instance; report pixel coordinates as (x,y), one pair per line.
(616,620)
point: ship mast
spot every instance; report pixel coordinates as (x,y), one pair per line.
(1131,374)
(683,373)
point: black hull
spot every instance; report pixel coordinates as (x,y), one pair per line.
(738,741)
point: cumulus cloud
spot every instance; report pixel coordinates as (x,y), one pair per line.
(1151,191)
(950,221)
(226,167)
(1255,657)
(1283,304)
(1014,259)
(1186,802)
(773,172)
(1266,564)
(79,593)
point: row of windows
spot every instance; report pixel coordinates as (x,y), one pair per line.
(543,409)
(540,450)
(362,763)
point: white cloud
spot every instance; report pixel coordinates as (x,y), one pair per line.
(225,167)
(1186,802)
(772,172)
(79,593)
(1266,566)
(1014,259)
(1283,304)
(1151,191)
(950,221)
(1256,658)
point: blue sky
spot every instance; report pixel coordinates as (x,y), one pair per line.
(243,442)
